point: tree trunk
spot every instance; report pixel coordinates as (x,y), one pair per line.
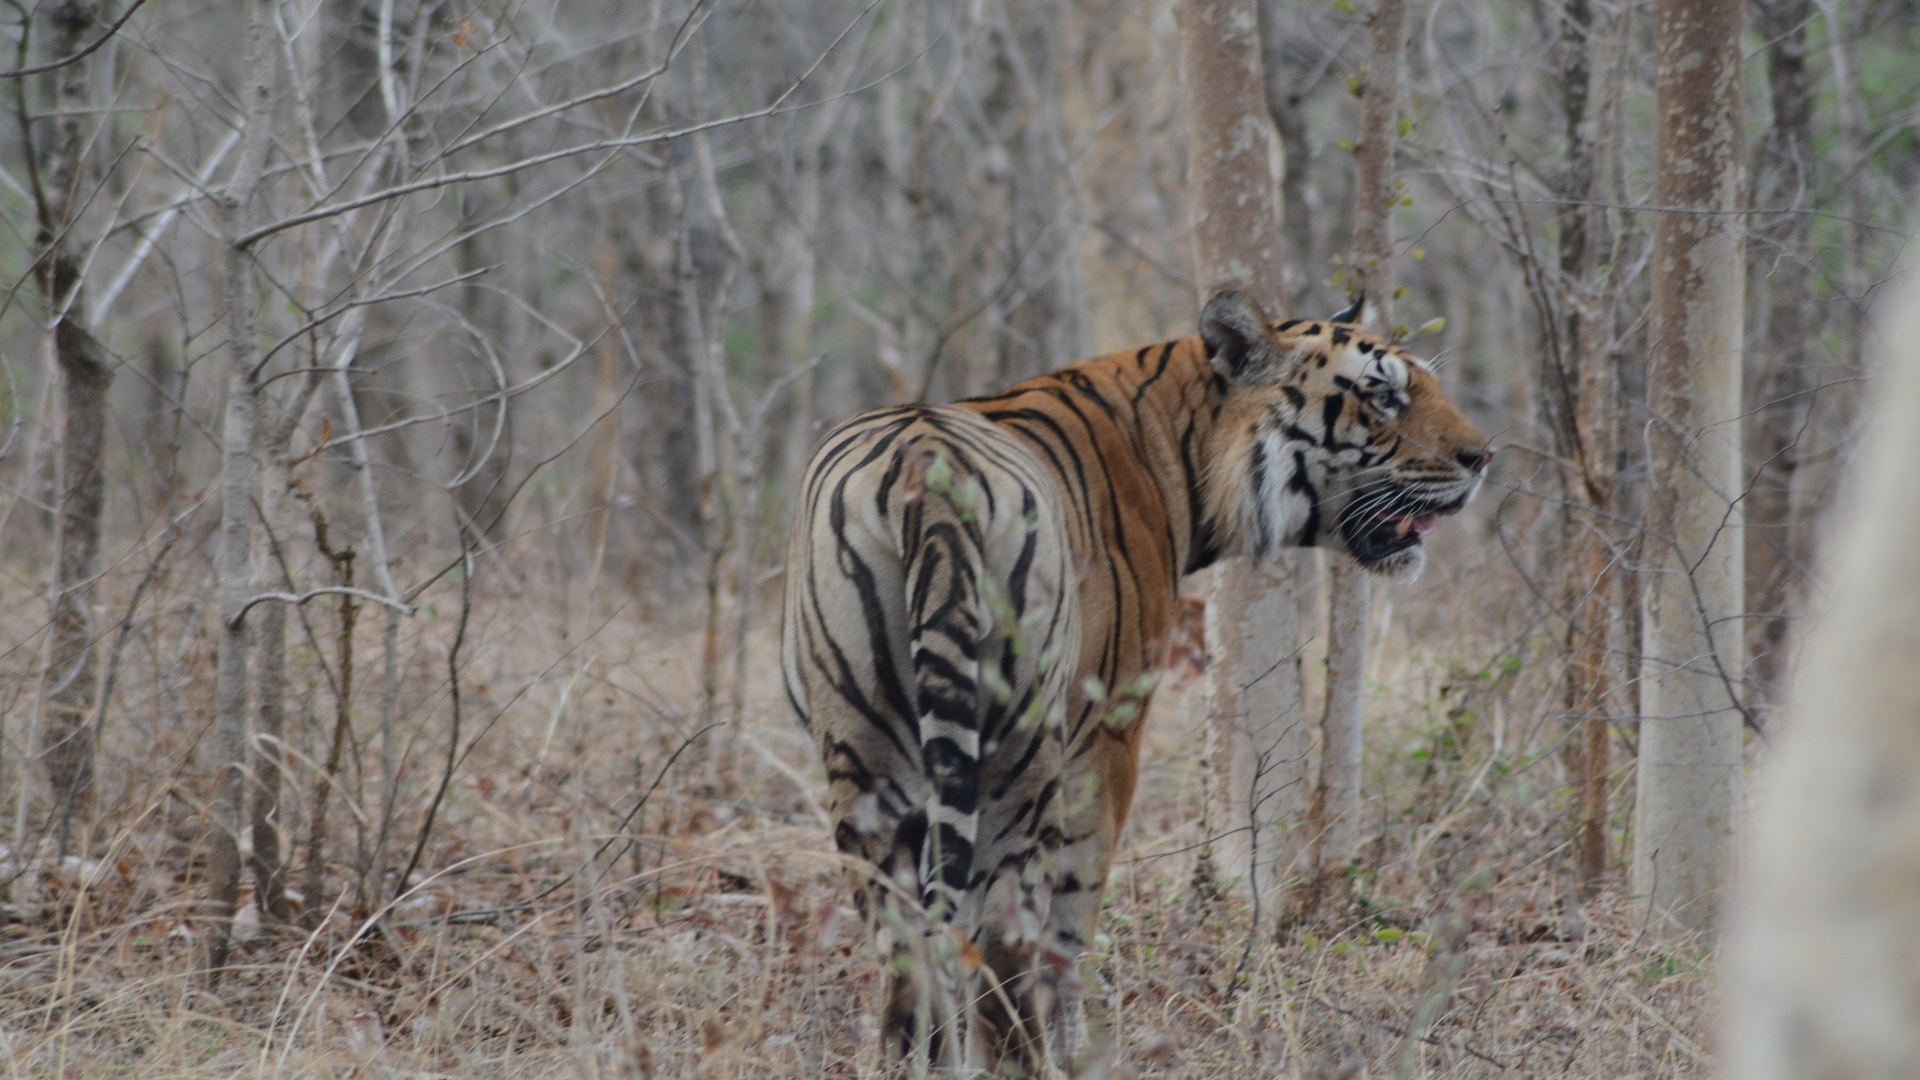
(1590,687)
(1785,381)
(1299,266)
(1822,971)
(1374,187)
(314,910)
(603,442)
(238,466)
(270,671)
(482,438)
(1690,746)
(237,470)
(1336,800)
(160,427)
(1261,740)
(1592,415)
(73,682)
(796,255)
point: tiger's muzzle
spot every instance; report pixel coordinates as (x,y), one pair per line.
(1383,525)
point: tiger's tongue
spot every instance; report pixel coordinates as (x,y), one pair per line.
(1416,524)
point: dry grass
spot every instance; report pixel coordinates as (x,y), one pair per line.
(721,942)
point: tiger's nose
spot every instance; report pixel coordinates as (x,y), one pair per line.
(1475,460)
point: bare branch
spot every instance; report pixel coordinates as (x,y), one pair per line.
(56,65)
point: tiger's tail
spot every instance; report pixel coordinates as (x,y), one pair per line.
(948,622)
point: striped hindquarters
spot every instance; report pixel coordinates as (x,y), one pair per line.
(929,632)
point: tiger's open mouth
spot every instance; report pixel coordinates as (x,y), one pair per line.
(1388,539)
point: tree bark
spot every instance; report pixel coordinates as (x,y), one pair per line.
(1261,740)
(269,629)
(796,256)
(1690,747)
(1374,187)
(1785,381)
(1822,975)
(237,470)
(314,909)
(1593,416)
(1299,266)
(86,372)
(270,643)
(485,434)
(1336,802)
(603,442)
(270,682)
(239,467)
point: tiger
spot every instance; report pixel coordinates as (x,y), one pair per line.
(978,600)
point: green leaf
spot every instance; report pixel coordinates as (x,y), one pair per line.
(1434,325)
(1142,684)
(1387,935)
(1406,125)
(939,474)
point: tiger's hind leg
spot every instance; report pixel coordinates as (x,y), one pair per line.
(1016,992)
(888,840)
(1022,982)
(1028,663)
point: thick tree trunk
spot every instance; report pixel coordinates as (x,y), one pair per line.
(86,371)
(1261,738)
(1690,746)
(69,735)
(1822,971)
(1785,381)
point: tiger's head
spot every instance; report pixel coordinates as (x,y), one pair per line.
(1331,435)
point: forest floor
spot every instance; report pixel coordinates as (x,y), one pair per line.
(543,940)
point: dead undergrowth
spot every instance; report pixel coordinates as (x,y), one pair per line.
(625,879)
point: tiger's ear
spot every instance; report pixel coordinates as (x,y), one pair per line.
(1239,344)
(1355,311)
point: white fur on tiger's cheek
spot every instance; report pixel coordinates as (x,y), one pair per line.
(1278,504)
